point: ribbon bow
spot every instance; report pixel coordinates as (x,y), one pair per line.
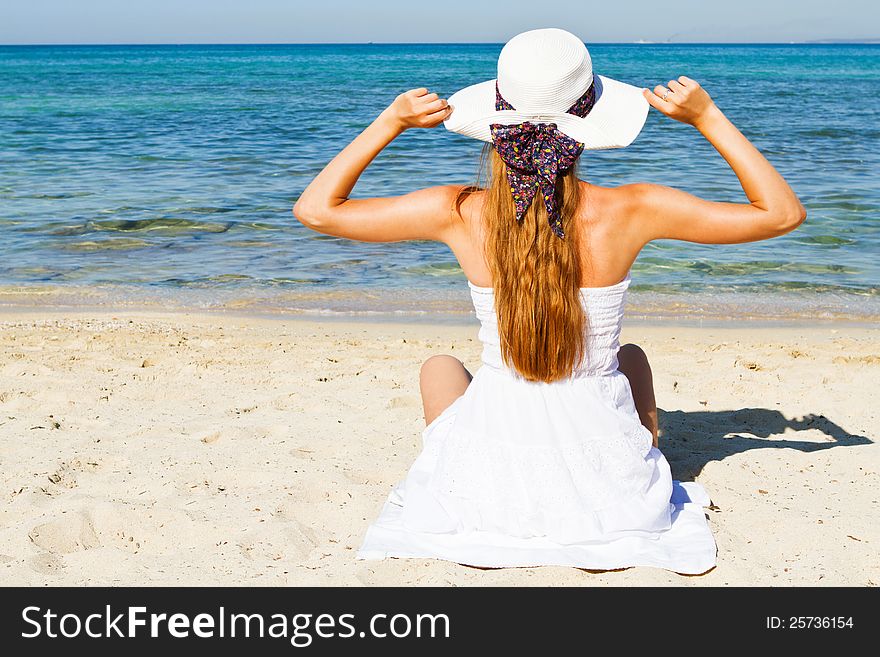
(535,153)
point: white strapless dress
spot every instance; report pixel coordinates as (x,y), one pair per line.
(519,473)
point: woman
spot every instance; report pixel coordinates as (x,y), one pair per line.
(548,455)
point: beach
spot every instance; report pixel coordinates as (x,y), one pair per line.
(143,447)
(196,389)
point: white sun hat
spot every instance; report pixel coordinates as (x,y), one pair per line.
(541,73)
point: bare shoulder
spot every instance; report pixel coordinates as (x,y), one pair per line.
(612,205)
(642,212)
(445,204)
(619,217)
(625,200)
(455,210)
(468,196)
(634,208)
(467,205)
(441,198)
(455,200)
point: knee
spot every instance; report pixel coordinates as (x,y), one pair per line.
(633,355)
(438,363)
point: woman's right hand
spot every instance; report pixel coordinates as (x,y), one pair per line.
(683,100)
(418,108)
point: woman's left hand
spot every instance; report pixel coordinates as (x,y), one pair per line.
(418,108)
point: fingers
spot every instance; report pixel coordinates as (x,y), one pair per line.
(435,105)
(656,101)
(425,109)
(435,111)
(443,111)
(681,84)
(435,119)
(663,93)
(683,99)
(422,94)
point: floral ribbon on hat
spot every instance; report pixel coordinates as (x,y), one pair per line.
(535,153)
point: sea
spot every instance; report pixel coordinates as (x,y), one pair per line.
(164,177)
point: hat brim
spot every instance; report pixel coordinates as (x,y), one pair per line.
(615,120)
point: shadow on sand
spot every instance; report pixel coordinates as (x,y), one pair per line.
(690,439)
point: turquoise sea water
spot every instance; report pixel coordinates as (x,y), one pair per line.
(166,174)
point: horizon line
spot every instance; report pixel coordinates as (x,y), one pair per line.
(639,42)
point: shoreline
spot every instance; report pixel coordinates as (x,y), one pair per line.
(444,305)
(11,312)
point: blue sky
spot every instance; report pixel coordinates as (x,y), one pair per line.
(335,21)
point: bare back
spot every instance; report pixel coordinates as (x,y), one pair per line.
(607,250)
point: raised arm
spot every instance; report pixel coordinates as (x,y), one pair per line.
(425,214)
(660,212)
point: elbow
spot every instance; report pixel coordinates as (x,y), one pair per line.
(307,214)
(797,216)
(790,218)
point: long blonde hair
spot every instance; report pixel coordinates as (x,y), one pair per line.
(535,276)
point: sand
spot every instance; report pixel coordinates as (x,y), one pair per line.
(150,448)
